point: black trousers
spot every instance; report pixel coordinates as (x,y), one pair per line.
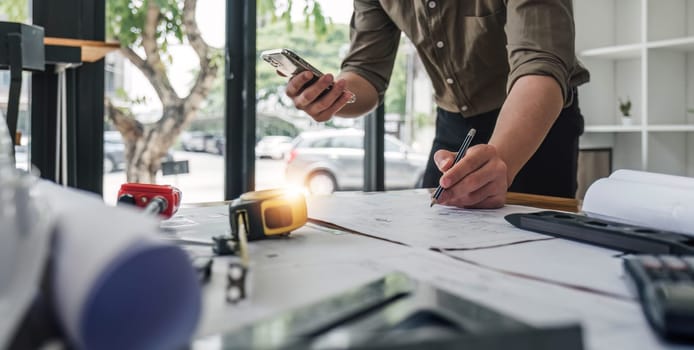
(550,171)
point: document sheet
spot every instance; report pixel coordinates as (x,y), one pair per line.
(405,217)
(559,261)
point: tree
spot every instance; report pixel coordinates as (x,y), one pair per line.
(150,25)
(15,10)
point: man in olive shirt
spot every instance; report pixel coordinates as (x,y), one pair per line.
(504,67)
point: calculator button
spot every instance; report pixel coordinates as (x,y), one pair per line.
(665,285)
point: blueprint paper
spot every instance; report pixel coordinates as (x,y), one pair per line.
(659,201)
(405,217)
(560,261)
(198,223)
(311,264)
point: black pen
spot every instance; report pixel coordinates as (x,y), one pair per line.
(461,153)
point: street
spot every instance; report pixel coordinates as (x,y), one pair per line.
(205,182)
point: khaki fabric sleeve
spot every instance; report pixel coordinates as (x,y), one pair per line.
(374,44)
(540,35)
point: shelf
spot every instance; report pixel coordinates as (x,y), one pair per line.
(613,128)
(642,50)
(678,44)
(638,128)
(685,44)
(614,52)
(671,127)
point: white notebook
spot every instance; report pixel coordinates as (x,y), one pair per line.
(654,200)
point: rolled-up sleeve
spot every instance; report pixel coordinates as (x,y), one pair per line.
(374,44)
(540,36)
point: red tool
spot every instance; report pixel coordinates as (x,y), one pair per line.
(155,199)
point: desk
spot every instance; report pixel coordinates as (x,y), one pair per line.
(545,283)
(91,50)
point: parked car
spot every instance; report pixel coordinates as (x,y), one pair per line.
(218,145)
(114,152)
(198,141)
(329,160)
(273,146)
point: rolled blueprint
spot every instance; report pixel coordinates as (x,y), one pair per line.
(24,246)
(660,201)
(115,285)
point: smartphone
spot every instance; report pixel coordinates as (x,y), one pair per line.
(289,63)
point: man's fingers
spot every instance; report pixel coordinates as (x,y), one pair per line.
(479,190)
(492,202)
(297,82)
(328,113)
(308,95)
(443,159)
(478,180)
(493,170)
(460,197)
(474,159)
(326,101)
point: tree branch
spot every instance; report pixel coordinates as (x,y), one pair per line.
(129,127)
(153,67)
(202,87)
(193,31)
(208,69)
(149,34)
(157,77)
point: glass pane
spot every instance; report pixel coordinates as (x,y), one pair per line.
(329,156)
(165,103)
(18,11)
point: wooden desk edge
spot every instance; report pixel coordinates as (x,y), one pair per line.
(544,202)
(92,50)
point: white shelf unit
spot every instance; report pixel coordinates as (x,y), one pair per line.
(642,50)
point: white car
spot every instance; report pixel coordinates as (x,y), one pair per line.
(333,159)
(274,147)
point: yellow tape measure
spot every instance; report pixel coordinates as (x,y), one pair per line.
(267,213)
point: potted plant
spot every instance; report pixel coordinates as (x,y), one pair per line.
(625,108)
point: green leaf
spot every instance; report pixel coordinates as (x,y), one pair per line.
(15,10)
(125,20)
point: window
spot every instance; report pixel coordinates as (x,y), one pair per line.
(198,139)
(180,109)
(391,146)
(406,119)
(17,11)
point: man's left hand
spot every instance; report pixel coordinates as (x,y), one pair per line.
(478,180)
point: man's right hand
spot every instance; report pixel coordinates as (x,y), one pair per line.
(309,99)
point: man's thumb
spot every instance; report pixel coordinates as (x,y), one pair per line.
(442,159)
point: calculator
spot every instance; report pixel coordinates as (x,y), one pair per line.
(665,286)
